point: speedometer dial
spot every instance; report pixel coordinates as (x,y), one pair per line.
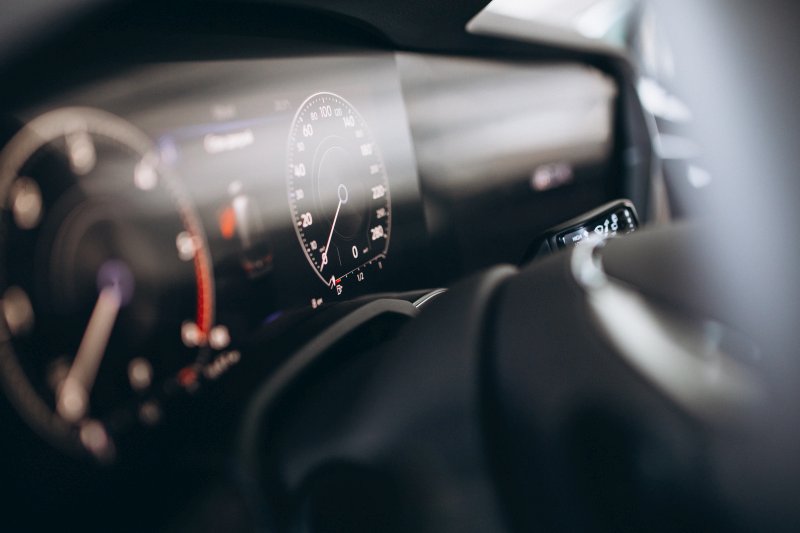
(338,190)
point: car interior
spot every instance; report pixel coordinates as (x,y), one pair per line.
(357,266)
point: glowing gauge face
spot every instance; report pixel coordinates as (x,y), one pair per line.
(338,190)
(107,289)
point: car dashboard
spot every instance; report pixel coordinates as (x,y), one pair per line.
(177,226)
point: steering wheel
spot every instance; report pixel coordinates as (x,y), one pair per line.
(640,384)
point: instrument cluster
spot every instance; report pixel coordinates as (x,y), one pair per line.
(155,220)
(174,228)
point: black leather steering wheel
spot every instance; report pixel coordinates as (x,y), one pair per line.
(565,396)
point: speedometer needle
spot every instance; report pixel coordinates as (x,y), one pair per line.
(73,395)
(341,192)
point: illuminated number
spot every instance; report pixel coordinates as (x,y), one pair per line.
(299,194)
(379,191)
(300,170)
(374,169)
(337,112)
(314,115)
(325,111)
(308,130)
(360,276)
(366,149)
(349,121)
(377,233)
(307,220)
(381,213)
(314,245)
(301,147)
(355,252)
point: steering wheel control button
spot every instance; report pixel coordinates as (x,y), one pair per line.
(613,219)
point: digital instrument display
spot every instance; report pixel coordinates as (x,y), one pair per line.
(156,220)
(339,191)
(303,173)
